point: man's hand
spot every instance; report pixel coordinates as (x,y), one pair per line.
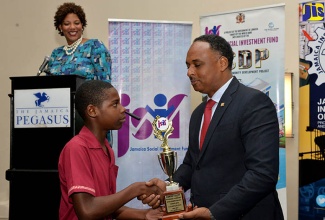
(158,182)
(153,200)
(197,213)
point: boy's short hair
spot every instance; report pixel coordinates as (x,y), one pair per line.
(91,92)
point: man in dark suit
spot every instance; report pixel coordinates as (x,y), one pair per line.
(234,175)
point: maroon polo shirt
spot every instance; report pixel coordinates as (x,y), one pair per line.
(85,167)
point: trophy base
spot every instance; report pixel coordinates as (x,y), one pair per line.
(175,203)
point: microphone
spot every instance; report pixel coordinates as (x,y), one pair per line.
(133,115)
(42,67)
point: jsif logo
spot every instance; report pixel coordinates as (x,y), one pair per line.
(313,11)
(215,30)
(162,124)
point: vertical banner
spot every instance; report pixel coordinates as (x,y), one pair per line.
(150,74)
(257,38)
(312,111)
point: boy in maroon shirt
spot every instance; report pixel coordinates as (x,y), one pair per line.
(87,167)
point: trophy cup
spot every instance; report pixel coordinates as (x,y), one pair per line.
(174,198)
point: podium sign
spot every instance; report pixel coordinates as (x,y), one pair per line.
(42,108)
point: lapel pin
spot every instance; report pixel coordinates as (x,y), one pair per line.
(222,104)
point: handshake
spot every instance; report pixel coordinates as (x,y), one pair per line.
(170,203)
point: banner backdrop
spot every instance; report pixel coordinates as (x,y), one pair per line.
(257,38)
(150,74)
(312,111)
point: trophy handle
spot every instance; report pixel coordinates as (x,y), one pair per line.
(176,161)
(161,165)
(168,163)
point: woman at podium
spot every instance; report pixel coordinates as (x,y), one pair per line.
(86,57)
(81,56)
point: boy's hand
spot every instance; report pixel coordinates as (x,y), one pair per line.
(154,214)
(153,200)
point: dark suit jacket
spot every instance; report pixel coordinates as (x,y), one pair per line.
(236,172)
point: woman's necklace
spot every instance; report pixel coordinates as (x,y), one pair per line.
(70,49)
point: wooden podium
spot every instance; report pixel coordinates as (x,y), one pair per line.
(35,145)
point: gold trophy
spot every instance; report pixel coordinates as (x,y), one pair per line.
(174,196)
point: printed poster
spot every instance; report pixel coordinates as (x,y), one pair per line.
(257,38)
(150,74)
(311,111)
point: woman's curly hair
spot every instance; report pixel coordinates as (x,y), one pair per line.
(64,10)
